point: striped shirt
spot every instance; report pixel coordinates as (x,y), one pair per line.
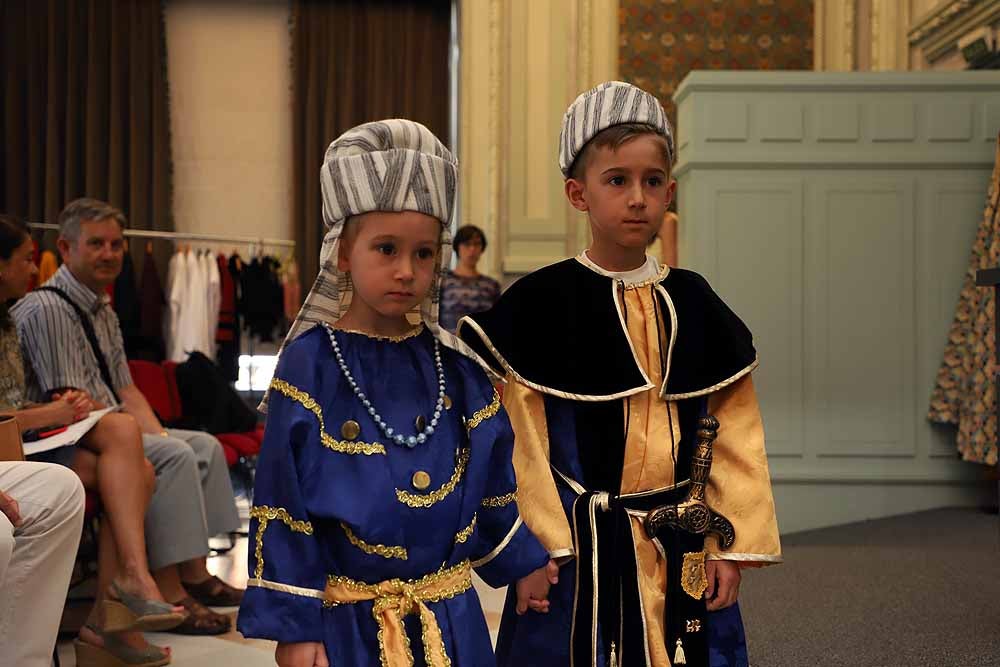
(55,348)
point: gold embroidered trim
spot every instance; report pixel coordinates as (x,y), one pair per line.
(500,501)
(264,514)
(417,500)
(415,331)
(270,513)
(694,579)
(463,535)
(307,401)
(374,549)
(483,414)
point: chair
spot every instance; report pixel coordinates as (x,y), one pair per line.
(158,383)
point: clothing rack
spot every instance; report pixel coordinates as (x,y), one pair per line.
(186,236)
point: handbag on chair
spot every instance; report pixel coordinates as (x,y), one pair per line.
(10,440)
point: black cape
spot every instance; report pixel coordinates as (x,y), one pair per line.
(559,330)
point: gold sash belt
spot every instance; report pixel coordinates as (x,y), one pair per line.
(394,600)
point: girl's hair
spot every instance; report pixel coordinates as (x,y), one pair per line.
(468,233)
(13,233)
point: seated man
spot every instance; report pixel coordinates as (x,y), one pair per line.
(41,516)
(194,498)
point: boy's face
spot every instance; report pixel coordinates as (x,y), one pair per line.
(625,193)
(391,258)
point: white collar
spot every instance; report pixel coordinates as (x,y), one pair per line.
(647,271)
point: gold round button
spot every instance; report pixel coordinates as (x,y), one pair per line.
(420,423)
(350,430)
(447,402)
(421,480)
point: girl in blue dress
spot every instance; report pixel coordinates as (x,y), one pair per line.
(385,476)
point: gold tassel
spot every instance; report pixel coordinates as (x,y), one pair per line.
(613,660)
(679,657)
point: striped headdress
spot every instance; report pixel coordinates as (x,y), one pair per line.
(387,165)
(611,103)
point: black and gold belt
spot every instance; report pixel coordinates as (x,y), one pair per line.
(608,601)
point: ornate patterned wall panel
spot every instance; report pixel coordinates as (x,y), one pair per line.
(663,40)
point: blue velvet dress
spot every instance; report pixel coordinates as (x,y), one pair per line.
(340,500)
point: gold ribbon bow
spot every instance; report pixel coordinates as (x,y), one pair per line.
(394,600)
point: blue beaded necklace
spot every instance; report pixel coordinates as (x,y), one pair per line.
(389,432)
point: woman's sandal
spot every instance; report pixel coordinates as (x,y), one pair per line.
(124,611)
(116,653)
(201,620)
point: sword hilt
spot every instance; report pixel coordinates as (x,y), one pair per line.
(693,515)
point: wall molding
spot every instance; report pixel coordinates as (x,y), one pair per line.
(937,33)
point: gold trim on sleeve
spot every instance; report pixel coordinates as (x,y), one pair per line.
(494,502)
(424,500)
(463,535)
(500,547)
(307,402)
(264,514)
(483,414)
(287,588)
(749,558)
(373,549)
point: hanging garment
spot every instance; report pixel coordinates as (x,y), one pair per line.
(264,312)
(176,296)
(125,299)
(213,297)
(151,304)
(194,309)
(227,335)
(965,393)
(47,266)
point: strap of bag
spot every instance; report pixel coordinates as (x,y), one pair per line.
(88,330)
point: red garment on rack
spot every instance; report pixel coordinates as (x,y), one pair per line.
(226,331)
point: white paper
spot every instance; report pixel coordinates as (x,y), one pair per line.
(68,437)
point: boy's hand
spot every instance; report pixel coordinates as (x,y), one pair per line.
(723,584)
(533,590)
(301,654)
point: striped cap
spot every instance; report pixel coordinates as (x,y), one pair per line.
(611,103)
(388,165)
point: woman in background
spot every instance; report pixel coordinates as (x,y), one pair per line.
(464,290)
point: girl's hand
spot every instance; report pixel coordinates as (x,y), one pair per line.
(301,654)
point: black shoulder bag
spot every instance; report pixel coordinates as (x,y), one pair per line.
(88,330)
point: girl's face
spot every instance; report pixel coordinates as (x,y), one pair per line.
(16,272)
(392,258)
(470,251)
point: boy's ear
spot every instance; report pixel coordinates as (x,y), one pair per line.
(575,194)
(671,191)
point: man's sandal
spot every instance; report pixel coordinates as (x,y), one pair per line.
(214,592)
